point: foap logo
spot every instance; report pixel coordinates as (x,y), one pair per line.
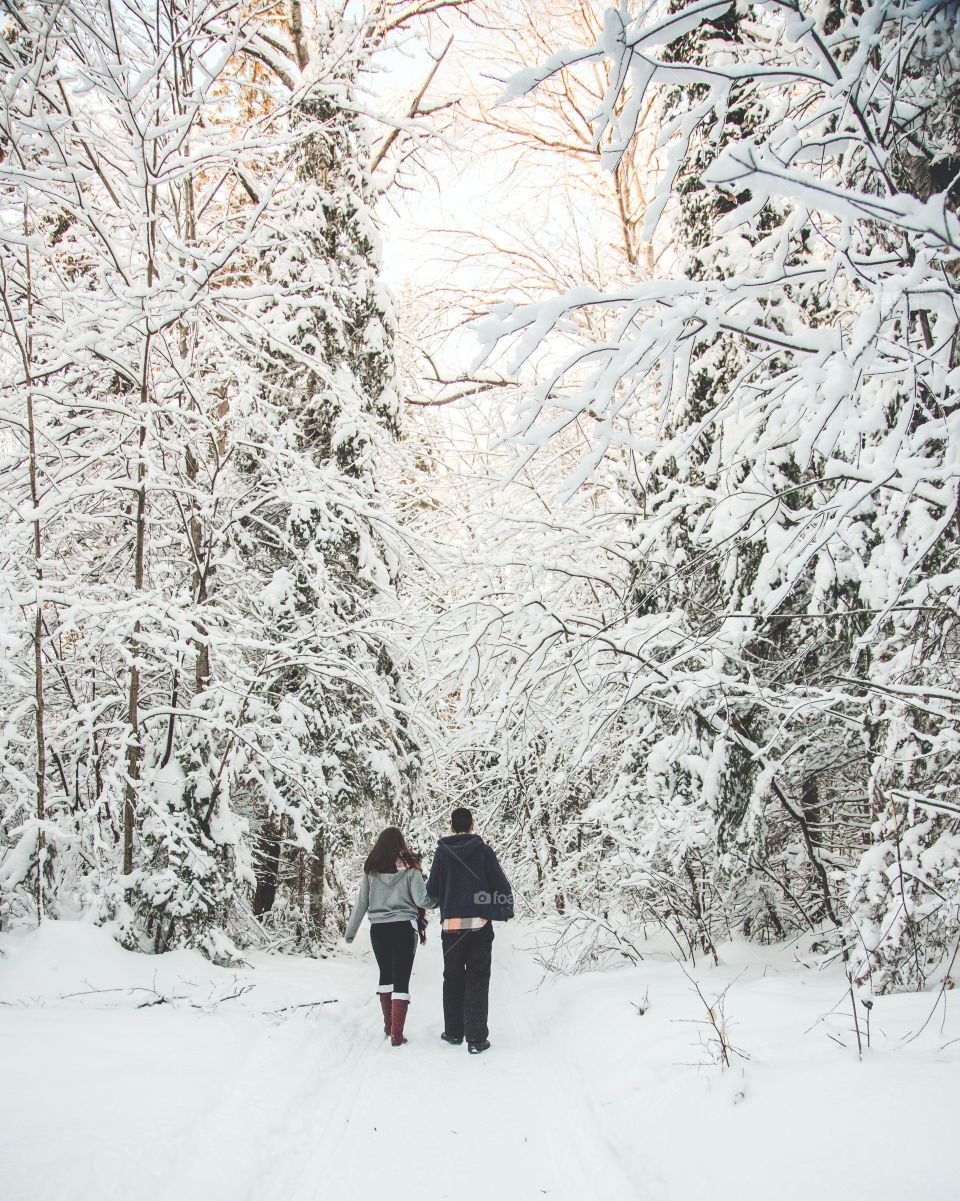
(492,898)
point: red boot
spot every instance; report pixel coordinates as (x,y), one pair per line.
(398,1017)
(386,1006)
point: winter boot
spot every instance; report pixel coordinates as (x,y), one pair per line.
(453,1039)
(398,1017)
(480,1047)
(386,999)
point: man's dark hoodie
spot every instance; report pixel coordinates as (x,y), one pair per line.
(468,880)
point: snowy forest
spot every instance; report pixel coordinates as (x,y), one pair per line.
(540,406)
(681,621)
(531,405)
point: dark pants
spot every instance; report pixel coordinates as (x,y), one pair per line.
(394,944)
(466,982)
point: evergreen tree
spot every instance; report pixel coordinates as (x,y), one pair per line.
(328,406)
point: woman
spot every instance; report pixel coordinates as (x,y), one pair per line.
(394,895)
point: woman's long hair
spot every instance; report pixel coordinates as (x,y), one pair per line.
(390,851)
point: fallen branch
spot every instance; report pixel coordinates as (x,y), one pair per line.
(305,1005)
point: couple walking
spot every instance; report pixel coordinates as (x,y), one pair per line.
(468,885)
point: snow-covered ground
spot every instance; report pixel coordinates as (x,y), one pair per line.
(237,1087)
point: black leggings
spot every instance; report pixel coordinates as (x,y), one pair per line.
(394,944)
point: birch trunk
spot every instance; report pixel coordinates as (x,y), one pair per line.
(39,714)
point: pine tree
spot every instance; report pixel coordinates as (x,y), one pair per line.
(328,408)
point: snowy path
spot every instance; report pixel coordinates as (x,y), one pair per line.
(501,1125)
(214,1096)
(312,1106)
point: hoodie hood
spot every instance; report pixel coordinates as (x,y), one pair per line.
(393,883)
(467,849)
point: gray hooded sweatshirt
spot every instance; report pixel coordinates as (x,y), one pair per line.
(390,897)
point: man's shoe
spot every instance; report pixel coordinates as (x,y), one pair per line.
(478,1048)
(452,1039)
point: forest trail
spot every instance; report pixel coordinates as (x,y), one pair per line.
(130,1077)
(504,1124)
(165,1103)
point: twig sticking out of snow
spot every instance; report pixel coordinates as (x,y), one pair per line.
(642,1006)
(718,1044)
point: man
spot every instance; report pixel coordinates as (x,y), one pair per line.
(473,893)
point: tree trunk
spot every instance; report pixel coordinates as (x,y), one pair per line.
(40,775)
(267,871)
(317,882)
(134,748)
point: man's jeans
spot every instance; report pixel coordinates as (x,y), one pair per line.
(466,982)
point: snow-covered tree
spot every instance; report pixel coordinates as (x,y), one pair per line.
(795,532)
(199,651)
